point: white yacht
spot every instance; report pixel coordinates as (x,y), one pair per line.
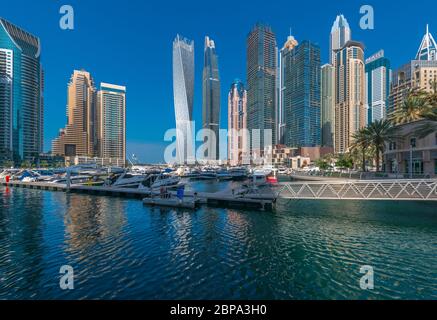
(125,180)
(155,182)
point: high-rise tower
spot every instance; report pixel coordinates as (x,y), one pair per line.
(261,87)
(112,122)
(237,124)
(301,95)
(378,77)
(340,35)
(428,47)
(21,95)
(183,91)
(79,138)
(328,105)
(350,111)
(211,98)
(289,45)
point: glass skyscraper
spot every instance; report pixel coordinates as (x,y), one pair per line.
(262,71)
(301,95)
(378,77)
(21,95)
(328,105)
(112,122)
(288,46)
(211,98)
(183,91)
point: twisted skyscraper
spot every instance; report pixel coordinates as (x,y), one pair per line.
(183,90)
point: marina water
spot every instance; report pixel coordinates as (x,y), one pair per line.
(120,249)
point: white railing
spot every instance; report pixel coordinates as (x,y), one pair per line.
(425,190)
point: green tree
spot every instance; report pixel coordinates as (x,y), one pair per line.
(345,161)
(378,134)
(414,106)
(361,143)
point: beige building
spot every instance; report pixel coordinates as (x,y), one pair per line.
(238,143)
(350,111)
(412,152)
(282,155)
(79,137)
(418,74)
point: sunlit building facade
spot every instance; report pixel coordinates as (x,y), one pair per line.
(21,95)
(420,73)
(112,122)
(183,91)
(350,111)
(238,147)
(340,35)
(79,137)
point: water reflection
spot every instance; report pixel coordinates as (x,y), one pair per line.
(122,249)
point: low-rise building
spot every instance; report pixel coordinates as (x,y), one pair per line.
(282,155)
(412,153)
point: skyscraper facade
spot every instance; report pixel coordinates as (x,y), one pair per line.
(428,47)
(261,86)
(112,122)
(328,105)
(237,124)
(79,137)
(289,45)
(340,35)
(211,98)
(350,111)
(301,95)
(417,74)
(21,95)
(378,78)
(183,91)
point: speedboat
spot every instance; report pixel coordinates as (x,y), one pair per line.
(238,174)
(155,182)
(165,180)
(74,179)
(207,175)
(125,180)
(224,175)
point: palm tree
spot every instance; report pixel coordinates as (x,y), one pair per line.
(378,134)
(361,142)
(413,108)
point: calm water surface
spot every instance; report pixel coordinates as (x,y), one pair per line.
(120,249)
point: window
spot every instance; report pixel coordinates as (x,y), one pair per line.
(413,142)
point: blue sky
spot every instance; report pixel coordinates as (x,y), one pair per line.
(130,43)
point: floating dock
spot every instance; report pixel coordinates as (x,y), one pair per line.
(219,199)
